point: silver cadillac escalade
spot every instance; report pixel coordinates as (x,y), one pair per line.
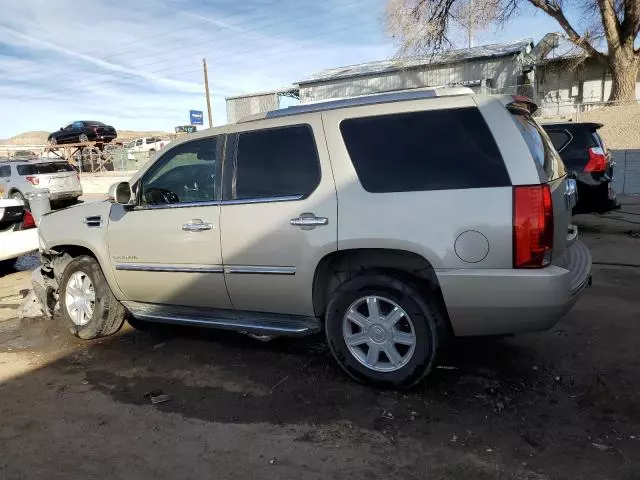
(390,222)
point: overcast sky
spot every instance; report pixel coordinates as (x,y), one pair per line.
(136,64)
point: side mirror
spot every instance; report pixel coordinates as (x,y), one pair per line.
(61,128)
(120,193)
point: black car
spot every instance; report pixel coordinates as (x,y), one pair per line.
(587,159)
(83,131)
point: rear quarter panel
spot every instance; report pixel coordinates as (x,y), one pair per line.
(428,222)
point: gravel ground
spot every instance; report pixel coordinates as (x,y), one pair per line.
(563,404)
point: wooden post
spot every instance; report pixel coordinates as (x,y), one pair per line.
(206,91)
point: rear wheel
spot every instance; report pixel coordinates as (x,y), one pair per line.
(88,307)
(382,331)
(20,197)
(53,141)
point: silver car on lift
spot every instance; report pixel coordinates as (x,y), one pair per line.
(19,178)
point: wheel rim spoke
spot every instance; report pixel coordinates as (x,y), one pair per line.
(394,317)
(403,338)
(373,354)
(372,306)
(392,354)
(358,319)
(357,339)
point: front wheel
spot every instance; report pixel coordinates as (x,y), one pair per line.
(83,138)
(382,331)
(88,307)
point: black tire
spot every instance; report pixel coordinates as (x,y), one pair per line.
(108,313)
(83,138)
(20,197)
(428,324)
(53,141)
(148,327)
(7,266)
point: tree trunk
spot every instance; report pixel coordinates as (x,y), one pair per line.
(624,74)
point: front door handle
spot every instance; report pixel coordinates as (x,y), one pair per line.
(307,221)
(197,225)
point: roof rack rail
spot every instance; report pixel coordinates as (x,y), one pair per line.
(373,99)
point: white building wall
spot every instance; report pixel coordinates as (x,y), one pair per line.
(560,88)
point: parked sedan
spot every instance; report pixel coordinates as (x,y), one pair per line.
(587,159)
(83,131)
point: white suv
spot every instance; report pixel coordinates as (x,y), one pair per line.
(391,222)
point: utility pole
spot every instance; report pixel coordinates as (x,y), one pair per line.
(206,91)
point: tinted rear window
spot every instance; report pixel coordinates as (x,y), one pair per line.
(540,146)
(428,150)
(44,168)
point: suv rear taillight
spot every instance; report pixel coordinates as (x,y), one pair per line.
(532,226)
(33,180)
(28,220)
(597,161)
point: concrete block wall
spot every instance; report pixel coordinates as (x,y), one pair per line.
(626,172)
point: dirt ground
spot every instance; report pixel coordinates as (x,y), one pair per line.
(562,404)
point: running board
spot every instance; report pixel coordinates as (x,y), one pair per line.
(243,321)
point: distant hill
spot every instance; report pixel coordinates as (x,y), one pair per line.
(38,137)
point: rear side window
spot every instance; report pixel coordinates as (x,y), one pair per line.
(44,168)
(276,163)
(428,150)
(559,138)
(540,146)
(5,171)
(598,140)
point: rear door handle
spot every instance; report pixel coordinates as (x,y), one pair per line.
(197,225)
(307,221)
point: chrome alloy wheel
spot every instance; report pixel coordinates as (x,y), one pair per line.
(80,298)
(379,333)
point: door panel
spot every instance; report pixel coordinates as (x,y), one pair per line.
(159,260)
(278,177)
(167,249)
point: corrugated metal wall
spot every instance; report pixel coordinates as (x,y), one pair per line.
(502,71)
(240,107)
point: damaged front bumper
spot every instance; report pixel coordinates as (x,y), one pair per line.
(46,279)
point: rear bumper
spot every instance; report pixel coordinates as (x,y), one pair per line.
(16,243)
(501,302)
(65,195)
(598,198)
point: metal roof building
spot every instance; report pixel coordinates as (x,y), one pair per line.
(488,68)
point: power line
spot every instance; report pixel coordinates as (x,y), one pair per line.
(164,34)
(180,49)
(180,68)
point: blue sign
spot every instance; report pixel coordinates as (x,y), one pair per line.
(196,117)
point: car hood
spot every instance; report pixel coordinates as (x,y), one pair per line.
(73,224)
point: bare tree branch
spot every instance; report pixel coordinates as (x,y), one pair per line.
(552,9)
(611,23)
(631,23)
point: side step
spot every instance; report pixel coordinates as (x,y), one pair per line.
(243,321)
